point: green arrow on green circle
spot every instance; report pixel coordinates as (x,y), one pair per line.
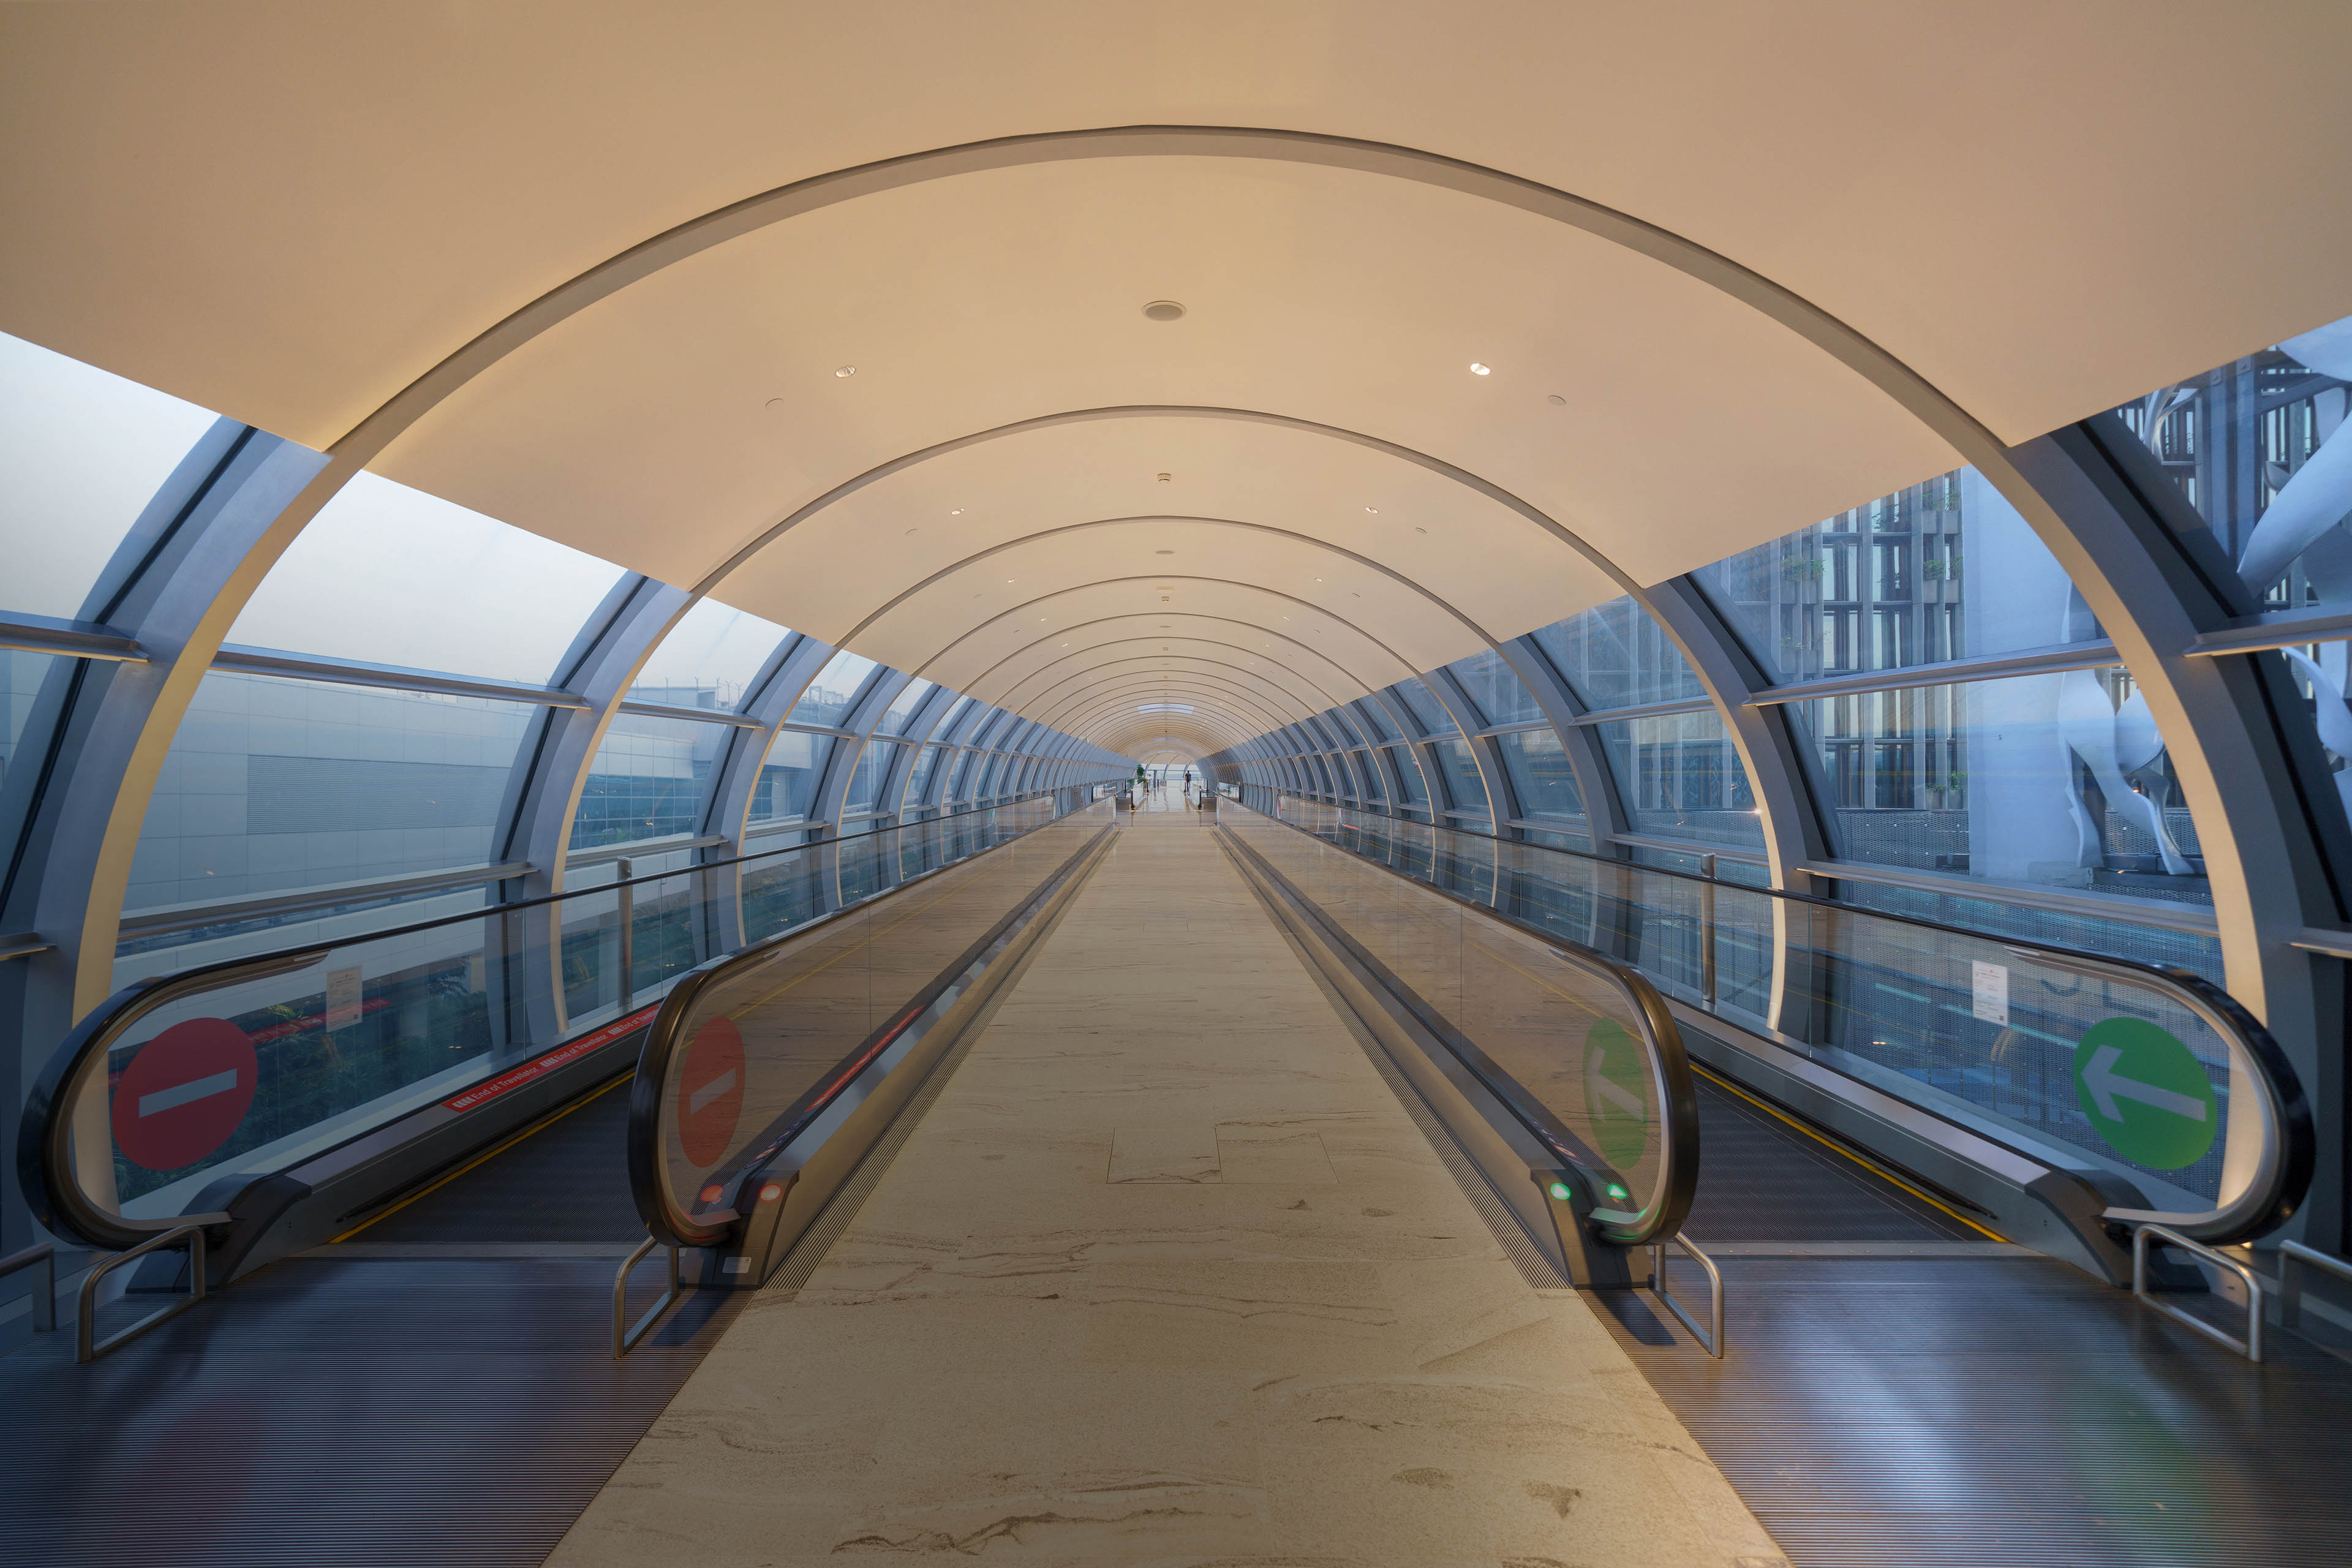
(1616,1092)
(2146,1093)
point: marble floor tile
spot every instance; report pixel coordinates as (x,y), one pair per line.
(1182,1152)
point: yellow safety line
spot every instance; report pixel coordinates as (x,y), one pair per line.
(1767,1107)
(494,1150)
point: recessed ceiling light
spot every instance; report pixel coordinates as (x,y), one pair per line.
(1009,579)
(1319,579)
(1477,369)
(956,512)
(845,371)
(1556,400)
(1165,478)
(1372,510)
(1164,311)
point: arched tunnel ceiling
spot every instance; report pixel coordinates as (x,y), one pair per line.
(291,214)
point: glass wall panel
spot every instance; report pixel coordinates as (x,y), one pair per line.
(2054,779)
(1434,719)
(21,675)
(789,777)
(1462,781)
(902,710)
(1496,690)
(708,658)
(1375,714)
(392,575)
(959,782)
(872,766)
(1337,720)
(274,785)
(1540,775)
(1417,790)
(1682,778)
(925,762)
(946,727)
(1885,586)
(647,780)
(1615,656)
(829,697)
(2258,449)
(82,452)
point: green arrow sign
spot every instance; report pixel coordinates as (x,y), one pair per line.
(1616,1092)
(2146,1093)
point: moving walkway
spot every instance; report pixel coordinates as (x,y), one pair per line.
(454,1252)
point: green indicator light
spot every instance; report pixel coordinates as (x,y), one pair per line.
(1559,1189)
(1615,1190)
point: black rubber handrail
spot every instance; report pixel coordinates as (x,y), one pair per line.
(1678,1119)
(44,1166)
(669,1224)
(2266,1205)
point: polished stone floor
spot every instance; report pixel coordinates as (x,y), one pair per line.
(1167,1275)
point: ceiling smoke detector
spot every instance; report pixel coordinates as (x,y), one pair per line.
(1165,478)
(847,370)
(1164,311)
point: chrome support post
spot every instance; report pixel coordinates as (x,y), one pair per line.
(87,1346)
(624,1336)
(2292,1256)
(45,1304)
(1711,1343)
(625,868)
(2250,1347)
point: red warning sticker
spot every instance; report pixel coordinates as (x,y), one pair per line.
(515,1077)
(711,1091)
(184,1093)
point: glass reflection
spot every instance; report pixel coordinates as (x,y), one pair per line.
(1615,656)
(1682,778)
(274,785)
(1885,586)
(789,777)
(81,454)
(2058,780)
(2257,449)
(708,658)
(1495,689)
(1540,774)
(647,780)
(388,574)
(829,697)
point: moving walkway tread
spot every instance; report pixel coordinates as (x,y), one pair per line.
(418,1406)
(1999,1409)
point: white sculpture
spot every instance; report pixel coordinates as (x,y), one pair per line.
(2117,742)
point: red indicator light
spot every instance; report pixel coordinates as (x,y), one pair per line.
(771,1192)
(712,1194)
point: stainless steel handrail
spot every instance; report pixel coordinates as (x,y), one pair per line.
(624,1338)
(87,1348)
(1711,1343)
(44,1303)
(2294,1255)
(2250,1347)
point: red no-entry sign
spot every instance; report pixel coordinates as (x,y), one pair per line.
(711,1091)
(184,1093)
